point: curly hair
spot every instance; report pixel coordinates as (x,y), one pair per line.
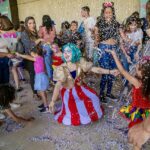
(76,53)
(130,20)
(145,68)
(7,94)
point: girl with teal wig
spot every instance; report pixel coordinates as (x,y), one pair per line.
(76,53)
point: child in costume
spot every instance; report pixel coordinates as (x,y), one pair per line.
(41,83)
(80,103)
(57,56)
(139,108)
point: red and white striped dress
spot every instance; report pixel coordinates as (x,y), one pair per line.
(80,105)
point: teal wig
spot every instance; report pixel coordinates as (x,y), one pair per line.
(76,53)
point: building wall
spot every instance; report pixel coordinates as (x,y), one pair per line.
(5,8)
(61,10)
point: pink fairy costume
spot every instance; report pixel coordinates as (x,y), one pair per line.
(41,79)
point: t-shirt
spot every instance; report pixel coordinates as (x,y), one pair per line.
(89,24)
(135,36)
(8,40)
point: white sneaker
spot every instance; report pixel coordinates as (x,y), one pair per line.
(15,105)
(2,116)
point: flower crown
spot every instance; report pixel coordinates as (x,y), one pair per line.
(107,4)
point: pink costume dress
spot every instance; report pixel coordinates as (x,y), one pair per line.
(41,79)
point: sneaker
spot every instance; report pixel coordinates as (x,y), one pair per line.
(103,99)
(111,97)
(14,105)
(41,106)
(45,110)
(2,116)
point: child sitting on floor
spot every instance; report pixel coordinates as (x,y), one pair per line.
(7,95)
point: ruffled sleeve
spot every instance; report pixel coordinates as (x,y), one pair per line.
(85,65)
(59,74)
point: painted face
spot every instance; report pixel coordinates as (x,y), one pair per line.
(74,27)
(108,14)
(67,54)
(133,26)
(31,25)
(54,48)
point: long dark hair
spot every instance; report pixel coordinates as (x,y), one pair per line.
(32,35)
(145,68)
(7,94)
(47,22)
(5,23)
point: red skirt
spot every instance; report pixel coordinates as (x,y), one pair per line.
(80,105)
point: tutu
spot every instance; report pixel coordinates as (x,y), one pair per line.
(133,114)
(80,105)
(41,82)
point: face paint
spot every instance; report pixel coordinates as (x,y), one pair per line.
(67,54)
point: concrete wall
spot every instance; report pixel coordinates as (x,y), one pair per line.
(61,10)
(5,8)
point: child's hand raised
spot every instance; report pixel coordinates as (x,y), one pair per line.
(111,51)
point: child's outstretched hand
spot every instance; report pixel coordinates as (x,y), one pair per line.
(111,51)
(114,72)
(52,107)
(17,54)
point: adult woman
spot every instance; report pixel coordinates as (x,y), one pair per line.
(80,103)
(30,39)
(8,44)
(107,28)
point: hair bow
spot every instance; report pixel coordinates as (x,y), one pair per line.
(108,4)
